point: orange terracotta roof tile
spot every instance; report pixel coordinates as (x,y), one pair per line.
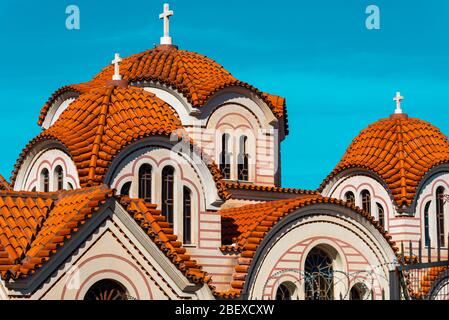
(4,185)
(78,89)
(247,226)
(400,150)
(159,230)
(425,283)
(36,225)
(195,76)
(100,123)
(256,187)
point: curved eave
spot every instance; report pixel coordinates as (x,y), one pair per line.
(403,201)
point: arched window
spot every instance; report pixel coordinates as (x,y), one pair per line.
(350,197)
(125,189)
(187,216)
(319,276)
(145,177)
(243,159)
(440,216)
(358,292)
(426,224)
(381,214)
(168,178)
(285,291)
(45,180)
(106,290)
(59,178)
(366,201)
(225,157)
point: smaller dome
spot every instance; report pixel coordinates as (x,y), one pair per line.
(400,150)
(100,123)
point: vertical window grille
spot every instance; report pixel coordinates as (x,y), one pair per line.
(145,177)
(243,160)
(225,157)
(187,216)
(168,193)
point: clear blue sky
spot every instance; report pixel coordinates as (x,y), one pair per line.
(337,76)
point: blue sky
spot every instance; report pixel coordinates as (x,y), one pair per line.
(337,76)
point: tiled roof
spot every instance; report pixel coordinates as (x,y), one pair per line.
(4,185)
(100,123)
(426,282)
(256,187)
(247,226)
(79,89)
(195,76)
(35,225)
(156,226)
(400,150)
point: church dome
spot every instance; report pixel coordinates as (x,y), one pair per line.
(195,76)
(400,150)
(100,123)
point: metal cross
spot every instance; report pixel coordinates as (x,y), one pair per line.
(166,39)
(116,62)
(398,100)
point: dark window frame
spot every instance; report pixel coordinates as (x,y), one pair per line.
(168,189)
(187,215)
(145,182)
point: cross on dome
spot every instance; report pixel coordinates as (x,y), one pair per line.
(398,100)
(116,62)
(166,39)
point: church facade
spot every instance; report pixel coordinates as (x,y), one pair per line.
(160,179)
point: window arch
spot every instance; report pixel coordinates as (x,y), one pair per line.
(45,180)
(350,197)
(125,189)
(187,216)
(243,159)
(381,214)
(366,200)
(225,156)
(106,290)
(69,186)
(168,178)
(145,180)
(285,291)
(59,178)
(440,216)
(426,224)
(358,291)
(319,275)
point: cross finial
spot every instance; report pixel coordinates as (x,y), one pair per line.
(116,62)
(398,100)
(166,39)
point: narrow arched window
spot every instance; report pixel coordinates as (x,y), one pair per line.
(168,193)
(285,291)
(187,216)
(426,224)
(45,180)
(366,201)
(125,189)
(350,197)
(145,177)
(225,157)
(440,216)
(243,159)
(381,214)
(319,275)
(59,178)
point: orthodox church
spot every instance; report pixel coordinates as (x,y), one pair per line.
(160,179)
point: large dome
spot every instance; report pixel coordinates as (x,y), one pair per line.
(400,150)
(195,76)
